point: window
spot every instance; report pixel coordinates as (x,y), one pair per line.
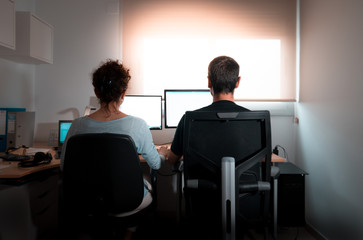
(169,44)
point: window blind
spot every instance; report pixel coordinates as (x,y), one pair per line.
(169,44)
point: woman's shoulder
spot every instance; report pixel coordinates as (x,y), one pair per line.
(134,119)
(81,119)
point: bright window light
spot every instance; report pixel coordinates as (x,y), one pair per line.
(260,61)
(175,63)
(182,63)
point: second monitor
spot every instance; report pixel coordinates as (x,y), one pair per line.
(178,101)
(147,107)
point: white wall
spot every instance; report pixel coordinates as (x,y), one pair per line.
(330,131)
(16,85)
(86,32)
(17,81)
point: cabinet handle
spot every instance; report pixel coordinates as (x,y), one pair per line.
(43,211)
(43,194)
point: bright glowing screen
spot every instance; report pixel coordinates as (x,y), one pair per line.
(177,102)
(63,128)
(147,107)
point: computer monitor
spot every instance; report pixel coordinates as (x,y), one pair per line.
(147,107)
(63,127)
(178,101)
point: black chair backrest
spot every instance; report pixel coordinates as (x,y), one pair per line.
(210,136)
(102,174)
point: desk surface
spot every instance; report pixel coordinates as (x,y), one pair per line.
(274,157)
(10,169)
(289,168)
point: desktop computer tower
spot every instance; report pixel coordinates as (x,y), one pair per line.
(291,200)
(20,129)
(291,195)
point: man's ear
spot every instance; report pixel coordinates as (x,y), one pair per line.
(209,83)
(238,81)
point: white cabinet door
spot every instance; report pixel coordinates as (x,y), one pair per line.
(7,23)
(41,40)
(34,40)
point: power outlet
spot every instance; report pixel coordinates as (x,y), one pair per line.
(53,137)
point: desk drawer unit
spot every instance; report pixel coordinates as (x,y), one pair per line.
(43,198)
(29,207)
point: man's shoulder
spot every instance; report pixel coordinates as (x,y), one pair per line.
(223,105)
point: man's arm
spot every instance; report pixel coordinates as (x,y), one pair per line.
(173,158)
(170,157)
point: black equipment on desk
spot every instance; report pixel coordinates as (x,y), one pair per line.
(14,157)
(39,159)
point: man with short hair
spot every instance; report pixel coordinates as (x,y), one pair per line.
(223,79)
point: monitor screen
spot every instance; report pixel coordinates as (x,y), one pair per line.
(147,107)
(177,102)
(63,128)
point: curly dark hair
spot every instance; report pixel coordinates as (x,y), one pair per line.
(110,80)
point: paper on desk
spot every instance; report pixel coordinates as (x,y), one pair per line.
(4,166)
(33,151)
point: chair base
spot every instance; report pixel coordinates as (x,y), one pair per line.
(102,227)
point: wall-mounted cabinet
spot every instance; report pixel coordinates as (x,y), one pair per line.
(34,40)
(7,24)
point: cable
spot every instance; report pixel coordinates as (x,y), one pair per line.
(276,151)
(178,168)
(297,233)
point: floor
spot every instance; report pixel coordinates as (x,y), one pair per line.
(161,228)
(291,233)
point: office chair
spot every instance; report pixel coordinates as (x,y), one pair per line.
(227,168)
(102,176)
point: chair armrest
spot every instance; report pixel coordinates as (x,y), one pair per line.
(153,178)
(200,184)
(254,187)
(275,172)
(178,166)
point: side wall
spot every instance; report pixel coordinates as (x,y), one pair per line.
(330,131)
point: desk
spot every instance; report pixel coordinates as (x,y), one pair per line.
(10,169)
(29,200)
(274,157)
